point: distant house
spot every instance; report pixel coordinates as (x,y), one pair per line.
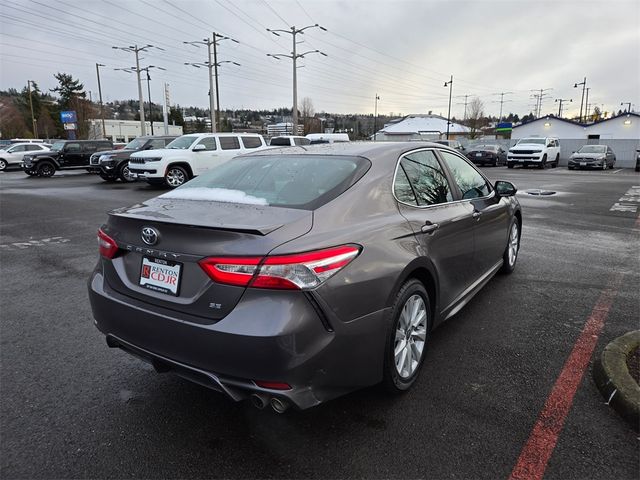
(420,127)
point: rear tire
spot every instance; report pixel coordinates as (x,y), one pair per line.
(3,164)
(175,177)
(407,337)
(510,256)
(46,169)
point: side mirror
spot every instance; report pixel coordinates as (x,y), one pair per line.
(199,148)
(505,189)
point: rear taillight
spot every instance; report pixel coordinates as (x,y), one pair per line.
(284,272)
(106,245)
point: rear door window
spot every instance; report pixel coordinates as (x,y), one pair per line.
(251,142)
(427,179)
(301,141)
(72,147)
(229,143)
(468,179)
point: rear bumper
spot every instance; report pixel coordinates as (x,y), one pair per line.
(279,337)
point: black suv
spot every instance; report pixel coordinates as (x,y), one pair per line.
(115,164)
(64,155)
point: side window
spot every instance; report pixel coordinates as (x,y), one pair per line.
(251,142)
(229,143)
(72,147)
(19,148)
(31,148)
(301,141)
(90,147)
(209,143)
(402,188)
(426,177)
(157,143)
(470,182)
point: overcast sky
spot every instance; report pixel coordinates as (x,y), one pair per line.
(402,50)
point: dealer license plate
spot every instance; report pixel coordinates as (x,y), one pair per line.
(478,154)
(583,164)
(160,275)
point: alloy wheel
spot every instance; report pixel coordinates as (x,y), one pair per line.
(411,335)
(3,164)
(175,177)
(513,244)
(126,174)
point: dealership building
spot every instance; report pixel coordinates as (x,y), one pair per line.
(123,131)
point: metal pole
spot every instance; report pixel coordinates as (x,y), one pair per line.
(212,109)
(584,84)
(215,66)
(294,127)
(149,93)
(143,129)
(104,130)
(33,119)
(586,106)
(165,110)
(375,119)
(501,102)
(450,82)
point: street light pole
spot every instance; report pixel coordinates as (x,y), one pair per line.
(33,118)
(586,105)
(375,119)
(294,56)
(104,130)
(560,101)
(584,84)
(450,85)
(135,49)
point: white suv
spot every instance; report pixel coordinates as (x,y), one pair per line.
(538,151)
(190,155)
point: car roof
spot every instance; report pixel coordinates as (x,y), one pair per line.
(40,144)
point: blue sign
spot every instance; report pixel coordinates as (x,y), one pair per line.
(69,117)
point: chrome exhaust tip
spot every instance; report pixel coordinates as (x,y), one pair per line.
(279,405)
(258,401)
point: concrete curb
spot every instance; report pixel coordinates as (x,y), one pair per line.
(612,378)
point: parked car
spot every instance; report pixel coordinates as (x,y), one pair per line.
(592,156)
(114,164)
(536,151)
(191,155)
(488,154)
(64,155)
(455,144)
(318,138)
(12,154)
(288,141)
(291,276)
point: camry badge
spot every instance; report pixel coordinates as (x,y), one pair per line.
(149,235)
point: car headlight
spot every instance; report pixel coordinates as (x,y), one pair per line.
(536,151)
(103,158)
(152,159)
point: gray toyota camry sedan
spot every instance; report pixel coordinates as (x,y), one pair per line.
(292,276)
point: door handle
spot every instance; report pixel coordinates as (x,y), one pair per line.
(429,227)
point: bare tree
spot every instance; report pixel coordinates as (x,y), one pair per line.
(475,116)
(306,108)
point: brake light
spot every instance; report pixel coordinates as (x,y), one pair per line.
(230,270)
(284,272)
(106,245)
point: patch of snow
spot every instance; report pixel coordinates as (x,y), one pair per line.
(214,195)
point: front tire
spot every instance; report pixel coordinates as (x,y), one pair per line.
(3,164)
(46,169)
(175,177)
(125,174)
(509,165)
(510,256)
(543,164)
(407,337)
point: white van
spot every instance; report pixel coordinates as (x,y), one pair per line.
(288,141)
(190,155)
(328,137)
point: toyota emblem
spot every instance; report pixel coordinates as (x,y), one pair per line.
(150,235)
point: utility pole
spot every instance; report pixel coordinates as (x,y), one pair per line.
(212,65)
(539,96)
(135,49)
(561,100)
(165,109)
(450,85)
(628,106)
(584,85)
(375,119)
(104,130)
(464,117)
(33,119)
(137,69)
(502,101)
(586,106)
(294,56)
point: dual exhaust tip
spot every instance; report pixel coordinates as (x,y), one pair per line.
(260,401)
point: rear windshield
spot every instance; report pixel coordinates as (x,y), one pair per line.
(280,142)
(292,181)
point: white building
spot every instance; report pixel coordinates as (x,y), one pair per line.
(123,131)
(420,127)
(621,127)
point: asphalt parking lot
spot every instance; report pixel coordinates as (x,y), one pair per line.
(73,408)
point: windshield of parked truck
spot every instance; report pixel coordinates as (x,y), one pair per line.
(182,143)
(135,144)
(593,149)
(57,146)
(537,141)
